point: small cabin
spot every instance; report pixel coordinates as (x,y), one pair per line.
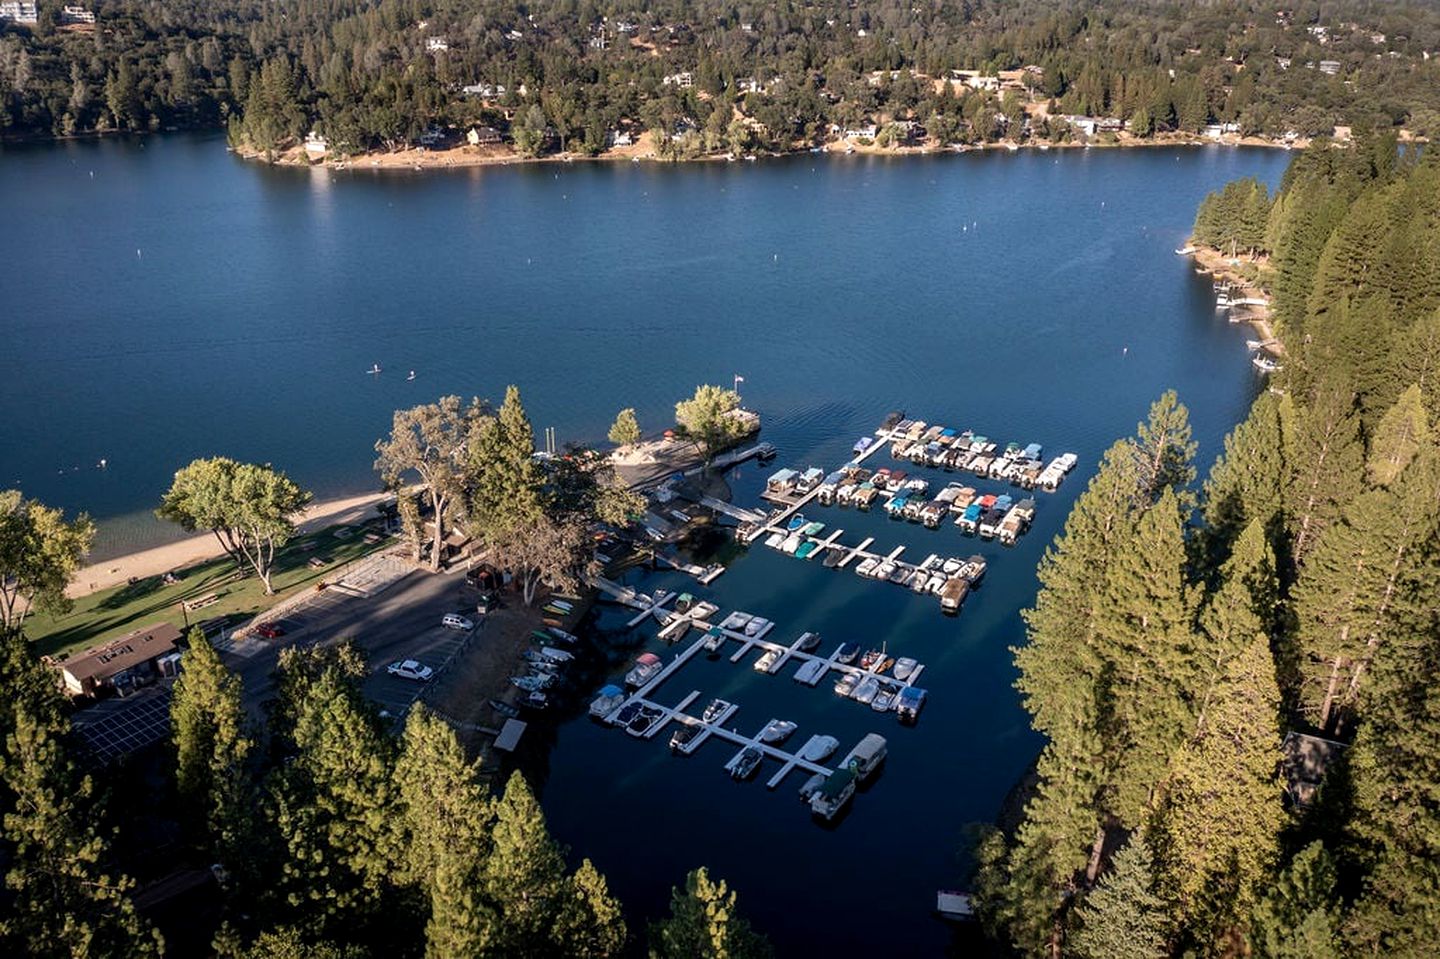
(782,481)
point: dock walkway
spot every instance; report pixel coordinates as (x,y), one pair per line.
(777,524)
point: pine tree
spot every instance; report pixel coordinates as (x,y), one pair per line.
(445,817)
(1219,829)
(1153,667)
(1418,360)
(1401,433)
(1122,917)
(704,924)
(591,925)
(505,492)
(212,747)
(1164,451)
(626,428)
(1247,482)
(1326,468)
(524,875)
(1298,917)
(1246,603)
(63,899)
(334,808)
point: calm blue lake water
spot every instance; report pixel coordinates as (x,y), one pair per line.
(162,300)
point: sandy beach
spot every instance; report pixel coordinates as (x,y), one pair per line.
(203,546)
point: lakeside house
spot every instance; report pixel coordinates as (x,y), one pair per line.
(76,15)
(485,91)
(433,136)
(684,80)
(483,136)
(19,11)
(123,665)
(619,138)
(316,146)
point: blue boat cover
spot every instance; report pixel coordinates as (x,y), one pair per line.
(611,690)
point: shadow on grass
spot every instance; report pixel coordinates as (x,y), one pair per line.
(120,609)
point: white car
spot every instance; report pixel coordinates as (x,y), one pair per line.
(456,621)
(410,669)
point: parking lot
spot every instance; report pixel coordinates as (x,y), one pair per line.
(392,612)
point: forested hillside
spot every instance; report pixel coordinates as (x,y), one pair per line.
(1180,633)
(377,73)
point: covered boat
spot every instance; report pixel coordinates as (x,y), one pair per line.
(833,794)
(647,665)
(777,731)
(818,748)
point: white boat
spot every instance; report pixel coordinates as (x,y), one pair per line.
(767,661)
(791,544)
(1186,250)
(867,566)
(714,711)
(746,763)
(556,655)
(818,748)
(374,369)
(647,665)
(904,666)
(811,787)
(777,731)
(1266,365)
(561,604)
(865,692)
(756,626)
(884,699)
(867,755)
(811,671)
(714,639)
(736,621)
(846,684)
(774,540)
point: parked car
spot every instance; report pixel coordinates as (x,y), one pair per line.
(411,669)
(487,603)
(270,630)
(456,621)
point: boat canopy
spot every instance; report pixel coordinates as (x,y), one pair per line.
(647,658)
(862,444)
(812,475)
(835,477)
(781,477)
(610,689)
(1032,452)
(834,784)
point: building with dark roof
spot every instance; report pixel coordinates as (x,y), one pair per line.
(121,664)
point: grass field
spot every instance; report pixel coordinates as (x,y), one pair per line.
(113,612)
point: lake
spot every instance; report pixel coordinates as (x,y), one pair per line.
(163,300)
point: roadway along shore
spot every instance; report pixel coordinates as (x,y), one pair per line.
(203,546)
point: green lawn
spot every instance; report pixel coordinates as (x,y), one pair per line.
(113,612)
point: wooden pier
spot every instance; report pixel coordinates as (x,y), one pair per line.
(777,524)
(670,713)
(857,551)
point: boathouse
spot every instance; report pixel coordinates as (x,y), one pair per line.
(123,664)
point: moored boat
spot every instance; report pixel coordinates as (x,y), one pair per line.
(818,748)
(810,672)
(647,665)
(884,699)
(811,786)
(504,708)
(909,703)
(846,684)
(767,661)
(746,763)
(867,756)
(714,711)
(904,666)
(865,692)
(684,735)
(714,639)
(610,699)
(846,653)
(833,794)
(777,731)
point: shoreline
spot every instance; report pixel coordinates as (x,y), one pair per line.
(1219,267)
(158,560)
(468,157)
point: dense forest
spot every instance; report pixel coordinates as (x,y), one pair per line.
(377,74)
(1199,658)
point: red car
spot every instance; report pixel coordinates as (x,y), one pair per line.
(270,630)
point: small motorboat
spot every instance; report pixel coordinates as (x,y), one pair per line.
(791,545)
(774,540)
(684,735)
(563,636)
(556,655)
(607,701)
(623,717)
(811,787)
(756,626)
(504,708)
(904,666)
(871,659)
(767,661)
(411,377)
(735,621)
(833,557)
(529,683)
(846,684)
(797,523)
(806,550)
(747,763)
(561,604)
(714,711)
(866,691)
(714,639)
(817,749)
(535,700)
(374,369)
(643,720)
(777,731)
(647,665)
(811,671)
(808,642)
(884,699)
(846,654)
(867,566)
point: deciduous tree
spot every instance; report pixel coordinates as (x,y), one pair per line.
(39,554)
